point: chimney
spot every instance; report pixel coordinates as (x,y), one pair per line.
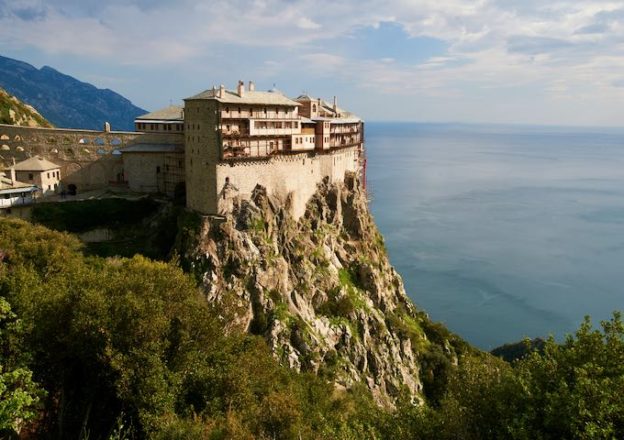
(13,179)
(241,88)
(335,104)
(107,127)
(221,91)
(252,86)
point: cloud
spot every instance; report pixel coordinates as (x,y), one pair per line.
(562,49)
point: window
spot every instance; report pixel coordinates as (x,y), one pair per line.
(48,175)
(49,187)
(158,170)
(30,176)
(227,109)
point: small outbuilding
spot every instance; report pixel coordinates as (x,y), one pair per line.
(40,172)
(14,192)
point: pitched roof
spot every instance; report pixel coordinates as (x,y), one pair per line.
(35,163)
(304,98)
(249,97)
(171,113)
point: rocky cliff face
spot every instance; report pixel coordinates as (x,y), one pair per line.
(320,290)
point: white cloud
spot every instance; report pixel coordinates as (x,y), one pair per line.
(560,48)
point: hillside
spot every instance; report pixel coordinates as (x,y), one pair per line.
(111,348)
(65,101)
(15,112)
(321,291)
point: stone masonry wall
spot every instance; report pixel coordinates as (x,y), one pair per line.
(88,158)
(291,179)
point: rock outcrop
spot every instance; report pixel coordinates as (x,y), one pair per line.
(15,112)
(320,290)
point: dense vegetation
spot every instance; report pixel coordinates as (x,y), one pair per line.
(100,348)
(144,226)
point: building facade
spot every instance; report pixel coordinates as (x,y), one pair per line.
(216,149)
(13,192)
(236,139)
(40,172)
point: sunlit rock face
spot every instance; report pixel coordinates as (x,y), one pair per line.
(320,290)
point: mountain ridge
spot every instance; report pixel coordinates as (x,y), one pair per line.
(64,100)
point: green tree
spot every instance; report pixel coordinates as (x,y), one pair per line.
(19,395)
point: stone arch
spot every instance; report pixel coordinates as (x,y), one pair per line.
(5,147)
(19,149)
(115,141)
(116,152)
(99,141)
(84,141)
(4,137)
(51,140)
(54,151)
(18,138)
(101,151)
(66,140)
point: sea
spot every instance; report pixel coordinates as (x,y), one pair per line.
(502,232)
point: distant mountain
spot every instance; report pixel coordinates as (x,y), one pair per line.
(15,112)
(65,101)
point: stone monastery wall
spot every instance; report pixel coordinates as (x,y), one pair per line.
(293,177)
(88,159)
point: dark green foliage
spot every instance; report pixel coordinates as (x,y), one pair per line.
(519,350)
(143,226)
(130,348)
(573,390)
(19,395)
(86,215)
(337,305)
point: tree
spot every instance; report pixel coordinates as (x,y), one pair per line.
(19,395)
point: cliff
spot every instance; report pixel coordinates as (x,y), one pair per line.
(15,112)
(320,290)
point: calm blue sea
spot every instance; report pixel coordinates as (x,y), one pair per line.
(502,232)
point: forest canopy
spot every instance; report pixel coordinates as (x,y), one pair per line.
(103,348)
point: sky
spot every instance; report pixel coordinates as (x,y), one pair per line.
(502,61)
